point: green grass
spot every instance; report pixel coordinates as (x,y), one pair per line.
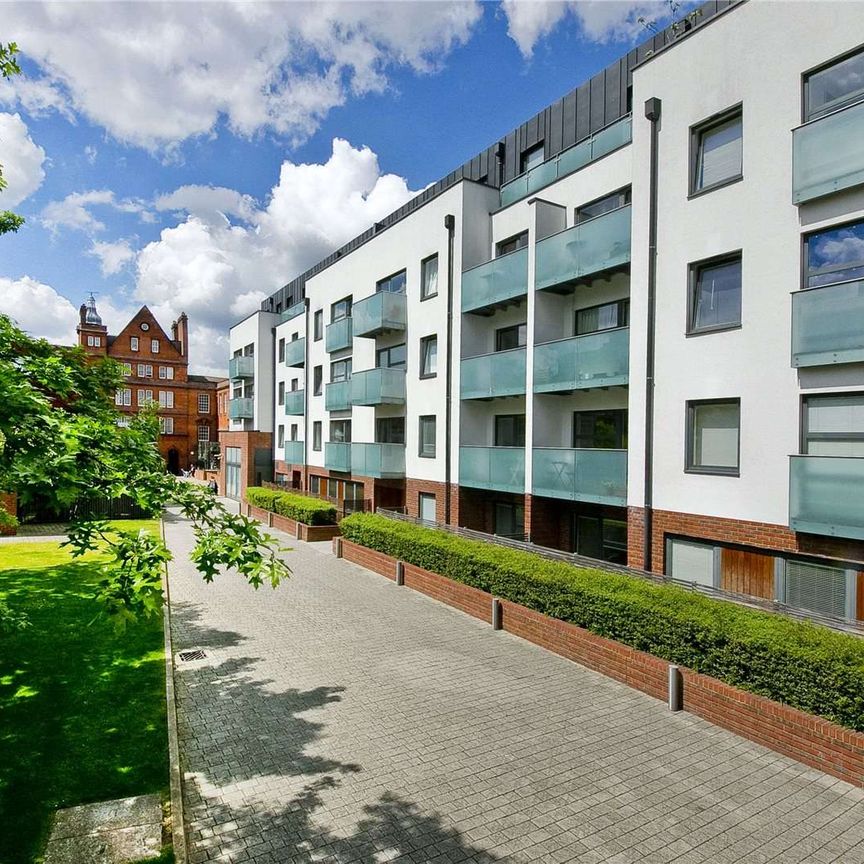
(82,709)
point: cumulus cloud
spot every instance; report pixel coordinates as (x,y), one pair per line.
(38,309)
(209,203)
(20,159)
(74,211)
(113,257)
(260,66)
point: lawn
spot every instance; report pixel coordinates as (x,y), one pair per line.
(82,709)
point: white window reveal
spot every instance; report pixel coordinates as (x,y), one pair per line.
(203,403)
(166,398)
(166,425)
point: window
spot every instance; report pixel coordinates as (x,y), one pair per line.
(691,562)
(394,284)
(426,506)
(601,538)
(123,422)
(318,325)
(429,279)
(717,152)
(293,431)
(281,392)
(145,370)
(393,357)
(316,435)
(834,87)
(315,483)
(127,369)
(607,316)
(509,430)
(340,309)
(166,425)
(154,346)
(509,520)
(133,343)
(340,370)
(145,397)
(123,397)
(390,430)
(281,350)
(429,357)
(532,158)
(511,244)
(602,205)
(317,380)
(295,385)
(600,430)
(203,403)
(511,337)
(715,295)
(166,398)
(713,428)
(427,436)
(834,425)
(166,372)
(834,255)
(340,431)
(203,432)
(280,436)
(94,341)
(821,589)
(249,350)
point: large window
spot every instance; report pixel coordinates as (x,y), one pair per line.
(834,425)
(713,428)
(834,255)
(340,370)
(394,284)
(602,205)
(595,430)
(511,244)
(510,430)
(511,337)
(429,277)
(166,398)
(340,309)
(834,87)
(717,152)
(607,316)
(393,357)
(715,295)
(390,430)
(427,436)
(340,431)
(429,357)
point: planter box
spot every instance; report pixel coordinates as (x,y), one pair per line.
(309,533)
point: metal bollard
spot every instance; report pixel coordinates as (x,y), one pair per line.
(676,689)
(337,547)
(400,572)
(496,613)
(297,530)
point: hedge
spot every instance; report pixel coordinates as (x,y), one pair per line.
(809,667)
(301,508)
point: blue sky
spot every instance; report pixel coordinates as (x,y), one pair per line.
(154,150)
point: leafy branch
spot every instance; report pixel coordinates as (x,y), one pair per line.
(9,221)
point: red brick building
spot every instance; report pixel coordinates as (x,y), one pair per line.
(157,370)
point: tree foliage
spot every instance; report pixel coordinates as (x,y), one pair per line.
(60,445)
(9,221)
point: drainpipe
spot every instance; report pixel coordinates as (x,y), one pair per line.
(652,114)
(306,373)
(450,225)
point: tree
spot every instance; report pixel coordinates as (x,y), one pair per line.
(61,444)
(9,221)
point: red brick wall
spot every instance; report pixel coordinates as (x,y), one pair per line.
(470,600)
(248,442)
(9,503)
(547,522)
(377,562)
(413,488)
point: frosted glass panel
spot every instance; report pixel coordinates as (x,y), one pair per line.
(597,476)
(692,562)
(502,278)
(828,325)
(825,495)
(595,360)
(715,436)
(498,468)
(491,375)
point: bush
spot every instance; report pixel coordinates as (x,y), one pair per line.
(301,508)
(801,664)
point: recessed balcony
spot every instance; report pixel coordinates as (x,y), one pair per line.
(583,362)
(495,284)
(828,325)
(294,453)
(383,312)
(337,396)
(378,387)
(295,352)
(339,335)
(241,409)
(337,456)
(490,376)
(827,155)
(594,476)
(501,469)
(381,461)
(825,495)
(295,402)
(241,367)
(586,250)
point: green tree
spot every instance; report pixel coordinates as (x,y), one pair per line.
(9,221)
(60,444)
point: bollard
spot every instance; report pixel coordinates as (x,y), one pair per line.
(337,547)
(676,689)
(496,613)
(400,573)
(269,518)
(297,530)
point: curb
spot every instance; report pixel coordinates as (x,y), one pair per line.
(178,820)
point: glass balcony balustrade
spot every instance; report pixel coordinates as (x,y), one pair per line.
(595,360)
(339,335)
(293,311)
(295,402)
(594,476)
(492,375)
(337,396)
(825,495)
(241,409)
(241,367)
(501,469)
(337,456)
(497,281)
(828,325)
(383,312)
(294,454)
(381,461)
(378,387)
(295,352)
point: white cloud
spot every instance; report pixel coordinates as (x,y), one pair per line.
(212,204)
(158,78)
(38,309)
(91,153)
(113,257)
(74,210)
(21,161)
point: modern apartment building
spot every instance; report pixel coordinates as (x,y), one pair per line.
(631,328)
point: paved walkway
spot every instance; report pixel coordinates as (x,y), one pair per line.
(344,719)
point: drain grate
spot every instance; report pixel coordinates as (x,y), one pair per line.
(187,656)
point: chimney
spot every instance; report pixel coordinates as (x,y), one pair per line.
(82,313)
(183,334)
(174,331)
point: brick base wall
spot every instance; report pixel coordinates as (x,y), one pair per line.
(9,503)
(811,740)
(413,488)
(309,533)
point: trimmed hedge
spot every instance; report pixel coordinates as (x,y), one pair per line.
(809,667)
(301,508)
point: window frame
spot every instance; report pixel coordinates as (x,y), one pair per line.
(689,438)
(424,342)
(282,349)
(694,269)
(317,325)
(511,417)
(697,130)
(423,264)
(387,279)
(517,236)
(420,421)
(805,253)
(527,153)
(348,302)
(133,343)
(623,311)
(522,325)
(805,436)
(154,346)
(317,435)
(427,496)
(386,350)
(624,192)
(317,380)
(815,70)
(206,402)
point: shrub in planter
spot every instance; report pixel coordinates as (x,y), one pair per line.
(301,508)
(801,664)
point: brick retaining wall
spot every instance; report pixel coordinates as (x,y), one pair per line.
(309,533)
(800,736)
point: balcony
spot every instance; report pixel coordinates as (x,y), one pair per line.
(828,325)
(337,456)
(241,409)
(492,375)
(595,476)
(827,155)
(501,469)
(338,335)
(381,313)
(295,402)
(825,495)
(241,367)
(572,159)
(293,311)
(378,387)
(582,362)
(381,461)
(337,397)
(294,453)
(295,352)
(499,281)
(572,256)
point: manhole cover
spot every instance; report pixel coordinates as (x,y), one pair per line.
(187,656)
